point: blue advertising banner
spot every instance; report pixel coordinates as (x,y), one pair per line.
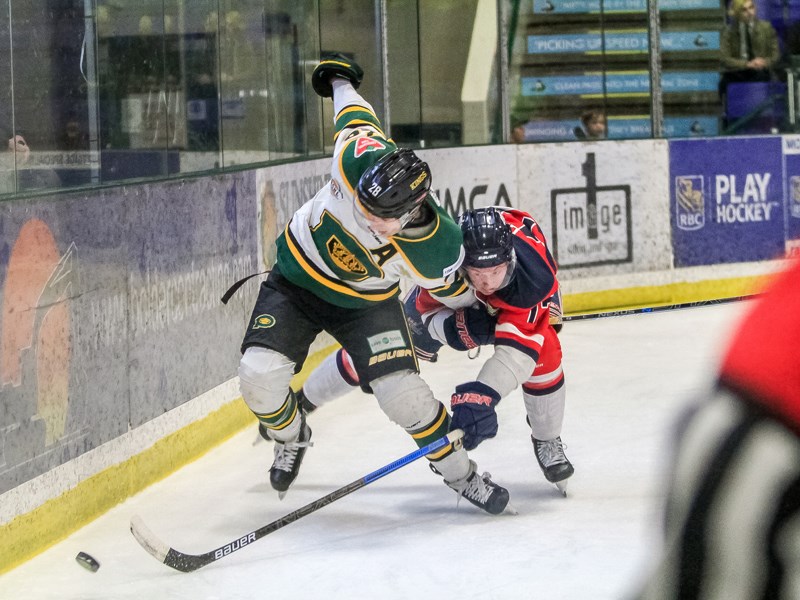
(610,6)
(538,131)
(693,126)
(621,43)
(624,128)
(726,200)
(618,83)
(688,41)
(791,161)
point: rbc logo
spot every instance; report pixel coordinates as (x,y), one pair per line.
(690,212)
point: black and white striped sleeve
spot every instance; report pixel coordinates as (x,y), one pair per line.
(733,507)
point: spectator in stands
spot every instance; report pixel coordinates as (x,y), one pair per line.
(593,126)
(517,130)
(748,46)
(17,144)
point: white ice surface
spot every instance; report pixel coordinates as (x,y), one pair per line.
(403,536)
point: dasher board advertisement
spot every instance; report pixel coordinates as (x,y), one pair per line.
(726,200)
(600,204)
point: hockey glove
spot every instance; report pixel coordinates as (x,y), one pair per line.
(469,328)
(335,65)
(426,347)
(473,412)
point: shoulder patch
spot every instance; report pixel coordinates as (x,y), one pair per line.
(367,144)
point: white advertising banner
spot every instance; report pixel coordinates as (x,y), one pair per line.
(604,206)
(473,177)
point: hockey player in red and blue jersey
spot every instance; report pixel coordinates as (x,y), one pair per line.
(513,276)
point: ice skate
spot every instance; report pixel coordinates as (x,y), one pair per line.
(304,403)
(288,458)
(553,462)
(481,491)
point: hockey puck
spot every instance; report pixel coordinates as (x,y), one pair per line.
(87,562)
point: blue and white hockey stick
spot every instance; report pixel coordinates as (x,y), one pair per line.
(191,562)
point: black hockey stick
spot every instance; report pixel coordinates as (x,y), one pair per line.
(649,309)
(191,562)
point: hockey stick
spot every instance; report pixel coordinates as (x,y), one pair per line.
(191,562)
(649,309)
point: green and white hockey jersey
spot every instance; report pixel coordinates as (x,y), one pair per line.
(325,250)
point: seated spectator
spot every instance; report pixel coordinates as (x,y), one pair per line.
(18,145)
(517,129)
(748,46)
(18,170)
(593,126)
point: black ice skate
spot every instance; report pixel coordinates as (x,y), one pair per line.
(481,491)
(304,403)
(553,462)
(288,458)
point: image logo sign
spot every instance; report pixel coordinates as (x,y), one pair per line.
(591,222)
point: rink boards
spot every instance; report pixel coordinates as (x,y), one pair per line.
(117,359)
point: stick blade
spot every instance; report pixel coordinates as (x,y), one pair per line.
(167,555)
(148,540)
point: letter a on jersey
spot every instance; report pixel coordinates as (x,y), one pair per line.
(368,144)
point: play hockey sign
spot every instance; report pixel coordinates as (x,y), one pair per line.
(726,200)
(746,204)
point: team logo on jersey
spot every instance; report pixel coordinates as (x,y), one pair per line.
(794,206)
(264,322)
(690,210)
(368,144)
(343,258)
(336,189)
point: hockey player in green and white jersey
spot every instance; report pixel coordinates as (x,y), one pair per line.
(338,269)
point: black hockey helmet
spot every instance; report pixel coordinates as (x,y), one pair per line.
(395,185)
(487,238)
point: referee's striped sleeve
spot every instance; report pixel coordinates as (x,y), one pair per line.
(732,518)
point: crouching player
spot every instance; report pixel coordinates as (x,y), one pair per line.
(513,276)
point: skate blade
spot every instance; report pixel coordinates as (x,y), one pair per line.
(510,509)
(281,495)
(562,487)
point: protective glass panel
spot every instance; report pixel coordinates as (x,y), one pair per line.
(46,115)
(353,28)
(579,70)
(140,96)
(758,84)
(690,57)
(442,68)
